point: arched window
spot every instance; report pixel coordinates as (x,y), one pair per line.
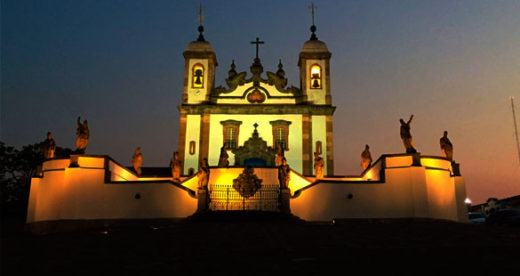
(315,77)
(197,76)
(231,130)
(318,147)
(280,134)
(230,137)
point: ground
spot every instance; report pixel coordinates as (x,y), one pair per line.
(257,244)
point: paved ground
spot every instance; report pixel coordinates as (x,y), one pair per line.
(261,245)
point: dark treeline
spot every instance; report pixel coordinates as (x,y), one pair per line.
(17,166)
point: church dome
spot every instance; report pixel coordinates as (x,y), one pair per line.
(314,46)
(199,46)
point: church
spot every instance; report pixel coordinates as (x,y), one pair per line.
(254,144)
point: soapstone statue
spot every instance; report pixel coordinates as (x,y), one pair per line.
(446,146)
(366,158)
(48,147)
(137,161)
(407,136)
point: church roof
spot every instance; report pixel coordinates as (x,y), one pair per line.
(199,46)
(314,46)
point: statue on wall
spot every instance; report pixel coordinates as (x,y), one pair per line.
(284,174)
(48,147)
(319,164)
(279,156)
(407,136)
(366,158)
(203,173)
(223,161)
(446,146)
(137,161)
(83,135)
(176,165)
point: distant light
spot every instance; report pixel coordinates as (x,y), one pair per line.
(467,201)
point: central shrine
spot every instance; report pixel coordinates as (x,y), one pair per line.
(255,144)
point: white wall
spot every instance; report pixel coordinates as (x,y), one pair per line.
(316,96)
(406,192)
(197,95)
(192,134)
(319,133)
(81,193)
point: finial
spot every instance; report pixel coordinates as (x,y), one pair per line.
(313,26)
(255,132)
(233,66)
(280,65)
(201,28)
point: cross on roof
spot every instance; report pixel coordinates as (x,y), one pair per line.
(257,42)
(312,7)
(201,17)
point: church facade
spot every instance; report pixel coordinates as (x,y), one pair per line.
(252,121)
(298,120)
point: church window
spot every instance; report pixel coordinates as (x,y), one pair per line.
(230,138)
(281,134)
(192,147)
(318,147)
(231,130)
(198,76)
(315,76)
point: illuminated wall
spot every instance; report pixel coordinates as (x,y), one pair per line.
(316,96)
(83,193)
(197,95)
(406,191)
(191,160)
(319,133)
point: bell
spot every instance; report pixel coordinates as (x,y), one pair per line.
(315,84)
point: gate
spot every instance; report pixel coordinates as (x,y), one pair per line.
(225,198)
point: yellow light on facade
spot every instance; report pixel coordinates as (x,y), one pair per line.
(315,77)
(198,76)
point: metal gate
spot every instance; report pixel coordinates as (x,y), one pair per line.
(226,198)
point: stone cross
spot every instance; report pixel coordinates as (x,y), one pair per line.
(257,42)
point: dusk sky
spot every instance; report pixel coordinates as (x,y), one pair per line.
(119,64)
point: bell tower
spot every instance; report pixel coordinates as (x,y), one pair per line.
(199,69)
(314,66)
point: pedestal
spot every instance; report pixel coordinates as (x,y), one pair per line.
(455,168)
(285,201)
(74,161)
(203,202)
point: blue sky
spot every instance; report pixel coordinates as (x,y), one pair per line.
(119,64)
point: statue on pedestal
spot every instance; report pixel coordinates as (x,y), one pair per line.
(176,165)
(83,135)
(223,161)
(319,164)
(279,156)
(284,174)
(137,161)
(48,147)
(366,158)
(407,136)
(203,174)
(446,146)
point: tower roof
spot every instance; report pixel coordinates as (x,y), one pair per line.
(314,46)
(199,46)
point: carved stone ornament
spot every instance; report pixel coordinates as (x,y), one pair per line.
(256,97)
(247,183)
(255,147)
